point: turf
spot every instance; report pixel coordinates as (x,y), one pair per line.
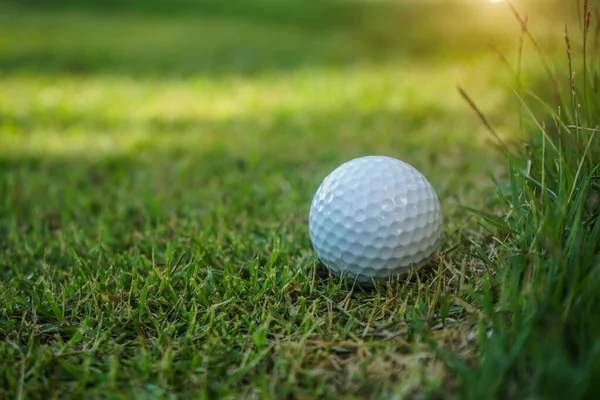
(156,166)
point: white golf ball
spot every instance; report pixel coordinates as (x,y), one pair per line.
(374,217)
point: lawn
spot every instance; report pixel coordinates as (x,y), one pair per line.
(157,162)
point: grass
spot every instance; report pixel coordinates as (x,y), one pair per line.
(545,261)
(158,163)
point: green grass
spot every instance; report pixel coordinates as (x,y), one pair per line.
(156,168)
(539,300)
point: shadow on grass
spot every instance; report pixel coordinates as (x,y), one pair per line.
(306,13)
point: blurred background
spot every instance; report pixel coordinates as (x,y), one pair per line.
(188,67)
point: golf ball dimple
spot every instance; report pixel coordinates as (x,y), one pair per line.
(374,217)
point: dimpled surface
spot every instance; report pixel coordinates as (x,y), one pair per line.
(373,217)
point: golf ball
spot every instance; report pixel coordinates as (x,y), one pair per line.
(374,217)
